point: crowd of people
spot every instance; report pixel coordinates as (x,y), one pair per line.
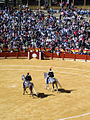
(23,28)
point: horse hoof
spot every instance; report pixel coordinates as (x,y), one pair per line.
(48,88)
(57,91)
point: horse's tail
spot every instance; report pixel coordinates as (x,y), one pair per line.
(58,82)
(34,90)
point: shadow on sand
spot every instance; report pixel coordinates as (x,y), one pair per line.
(43,95)
(64,91)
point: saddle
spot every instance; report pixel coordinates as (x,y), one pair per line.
(51,80)
(27,83)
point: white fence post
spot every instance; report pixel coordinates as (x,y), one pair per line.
(39,55)
(28,55)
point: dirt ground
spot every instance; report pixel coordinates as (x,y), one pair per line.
(72,102)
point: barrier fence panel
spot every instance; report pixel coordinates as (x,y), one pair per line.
(56,55)
(22,54)
(45,55)
(88,57)
(13,54)
(70,56)
(66,55)
(3,54)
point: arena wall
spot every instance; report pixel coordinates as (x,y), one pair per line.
(45,55)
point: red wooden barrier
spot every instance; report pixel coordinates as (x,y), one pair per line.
(66,55)
(14,54)
(45,55)
(22,54)
(88,57)
(34,55)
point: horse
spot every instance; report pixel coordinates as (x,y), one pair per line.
(29,85)
(52,81)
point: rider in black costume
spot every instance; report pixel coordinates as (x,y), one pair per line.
(28,77)
(50,74)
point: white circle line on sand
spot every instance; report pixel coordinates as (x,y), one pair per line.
(12,86)
(69,73)
(47,66)
(75,116)
(40,70)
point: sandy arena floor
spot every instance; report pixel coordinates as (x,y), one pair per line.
(72,102)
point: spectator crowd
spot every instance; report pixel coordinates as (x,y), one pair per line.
(63,29)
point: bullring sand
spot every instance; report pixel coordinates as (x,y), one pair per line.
(72,102)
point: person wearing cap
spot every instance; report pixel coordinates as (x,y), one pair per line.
(28,77)
(50,74)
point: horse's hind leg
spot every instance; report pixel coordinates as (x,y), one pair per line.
(24,89)
(31,92)
(47,86)
(26,92)
(56,87)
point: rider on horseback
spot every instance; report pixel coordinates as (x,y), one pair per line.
(50,75)
(28,78)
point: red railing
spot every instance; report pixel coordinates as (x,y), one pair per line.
(66,56)
(46,55)
(14,54)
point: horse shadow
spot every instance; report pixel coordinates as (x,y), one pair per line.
(43,95)
(62,90)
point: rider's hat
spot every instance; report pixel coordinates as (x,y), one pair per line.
(50,68)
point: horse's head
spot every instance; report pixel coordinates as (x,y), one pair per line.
(23,77)
(45,75)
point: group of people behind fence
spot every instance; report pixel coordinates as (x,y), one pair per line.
(62,29)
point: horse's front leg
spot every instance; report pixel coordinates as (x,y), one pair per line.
(47,82)
(52,87)
(47,86)
(31,93)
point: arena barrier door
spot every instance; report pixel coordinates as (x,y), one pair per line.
(35,55)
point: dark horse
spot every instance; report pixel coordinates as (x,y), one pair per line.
(29,85)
